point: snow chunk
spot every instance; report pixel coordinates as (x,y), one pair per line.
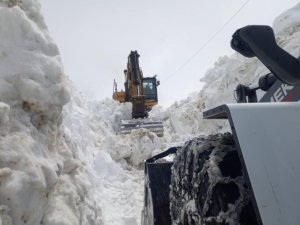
(105,166)
(4,110)
(143,143)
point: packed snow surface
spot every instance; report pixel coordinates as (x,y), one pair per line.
(61,161)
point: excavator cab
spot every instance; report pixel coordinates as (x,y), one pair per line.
(150,90)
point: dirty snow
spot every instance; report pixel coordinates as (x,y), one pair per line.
(61,161)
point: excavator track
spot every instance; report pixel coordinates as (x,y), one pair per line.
(151,124)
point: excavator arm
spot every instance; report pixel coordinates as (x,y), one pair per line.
(134,87)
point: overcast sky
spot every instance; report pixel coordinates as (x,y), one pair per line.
(95,38)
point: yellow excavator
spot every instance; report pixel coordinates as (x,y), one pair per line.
(142,93)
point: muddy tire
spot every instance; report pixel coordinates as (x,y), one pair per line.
(208,186)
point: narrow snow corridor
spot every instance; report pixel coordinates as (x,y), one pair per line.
(61,159)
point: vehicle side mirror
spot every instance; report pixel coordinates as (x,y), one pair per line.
(157,83)
(260,41)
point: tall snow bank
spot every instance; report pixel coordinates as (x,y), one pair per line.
(185,117)
(42,178)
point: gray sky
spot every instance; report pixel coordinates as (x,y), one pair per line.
(96,36)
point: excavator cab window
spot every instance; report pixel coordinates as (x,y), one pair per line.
(150,88)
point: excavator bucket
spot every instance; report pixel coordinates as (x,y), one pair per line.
(153,125)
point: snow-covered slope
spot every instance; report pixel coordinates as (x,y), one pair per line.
(61,161)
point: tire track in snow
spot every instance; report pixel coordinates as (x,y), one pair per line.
(121,198)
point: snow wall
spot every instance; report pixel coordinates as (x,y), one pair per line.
(61,161)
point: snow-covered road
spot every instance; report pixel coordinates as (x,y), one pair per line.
(121,198)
